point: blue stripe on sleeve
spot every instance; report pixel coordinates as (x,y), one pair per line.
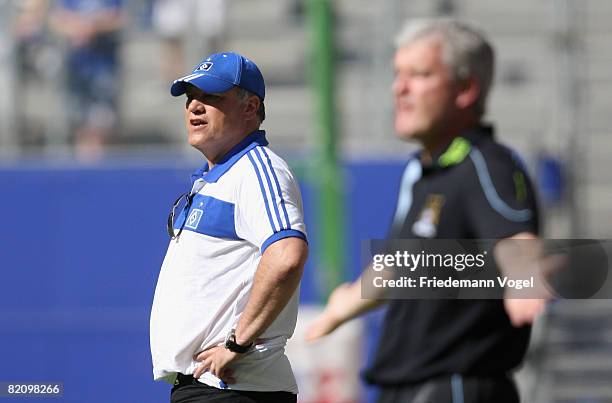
(412,173)
(263,191)
(457,388)
(278,188)
(287,233)
(496,202)
(270,188)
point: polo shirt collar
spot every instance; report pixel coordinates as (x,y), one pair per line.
(458,148)
(257,138)
(475,134)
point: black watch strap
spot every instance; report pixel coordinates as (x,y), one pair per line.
(231,345)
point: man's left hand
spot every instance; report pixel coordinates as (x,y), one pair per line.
(216,360)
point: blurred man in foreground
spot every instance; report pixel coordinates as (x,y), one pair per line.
(226,298)
(462,184)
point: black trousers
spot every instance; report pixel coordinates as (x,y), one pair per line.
(189,390)
(453,389)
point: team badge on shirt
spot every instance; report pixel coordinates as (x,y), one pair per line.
(426,225)
(194,218)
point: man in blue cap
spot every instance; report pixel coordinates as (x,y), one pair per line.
(227,294)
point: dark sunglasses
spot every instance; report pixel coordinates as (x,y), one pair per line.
(185,199)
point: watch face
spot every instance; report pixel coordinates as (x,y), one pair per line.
(232,345)
(231,335)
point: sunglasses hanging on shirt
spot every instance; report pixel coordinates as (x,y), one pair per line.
(182,204)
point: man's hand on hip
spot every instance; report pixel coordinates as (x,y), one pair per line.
(216,361)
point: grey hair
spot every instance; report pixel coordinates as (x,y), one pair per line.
(243,95)
(465,50)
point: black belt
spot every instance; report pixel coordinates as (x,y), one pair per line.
(182,379)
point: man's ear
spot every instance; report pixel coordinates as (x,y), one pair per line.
(468,93)
(252,106)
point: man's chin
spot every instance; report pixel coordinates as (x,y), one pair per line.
(407,135)
(196,138)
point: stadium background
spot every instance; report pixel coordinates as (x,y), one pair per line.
(83,236)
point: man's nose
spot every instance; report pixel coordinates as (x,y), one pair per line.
(399,86)
(196,107)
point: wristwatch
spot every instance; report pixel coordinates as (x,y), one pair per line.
(231,345)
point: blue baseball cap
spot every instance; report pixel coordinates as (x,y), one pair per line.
(220,72)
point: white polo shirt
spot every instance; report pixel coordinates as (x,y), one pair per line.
(240,207)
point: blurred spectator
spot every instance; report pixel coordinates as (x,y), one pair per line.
(297,10)
(29,32)
(92,30)
(188,28)
(31,47)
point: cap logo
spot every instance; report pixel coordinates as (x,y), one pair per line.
(204,66)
